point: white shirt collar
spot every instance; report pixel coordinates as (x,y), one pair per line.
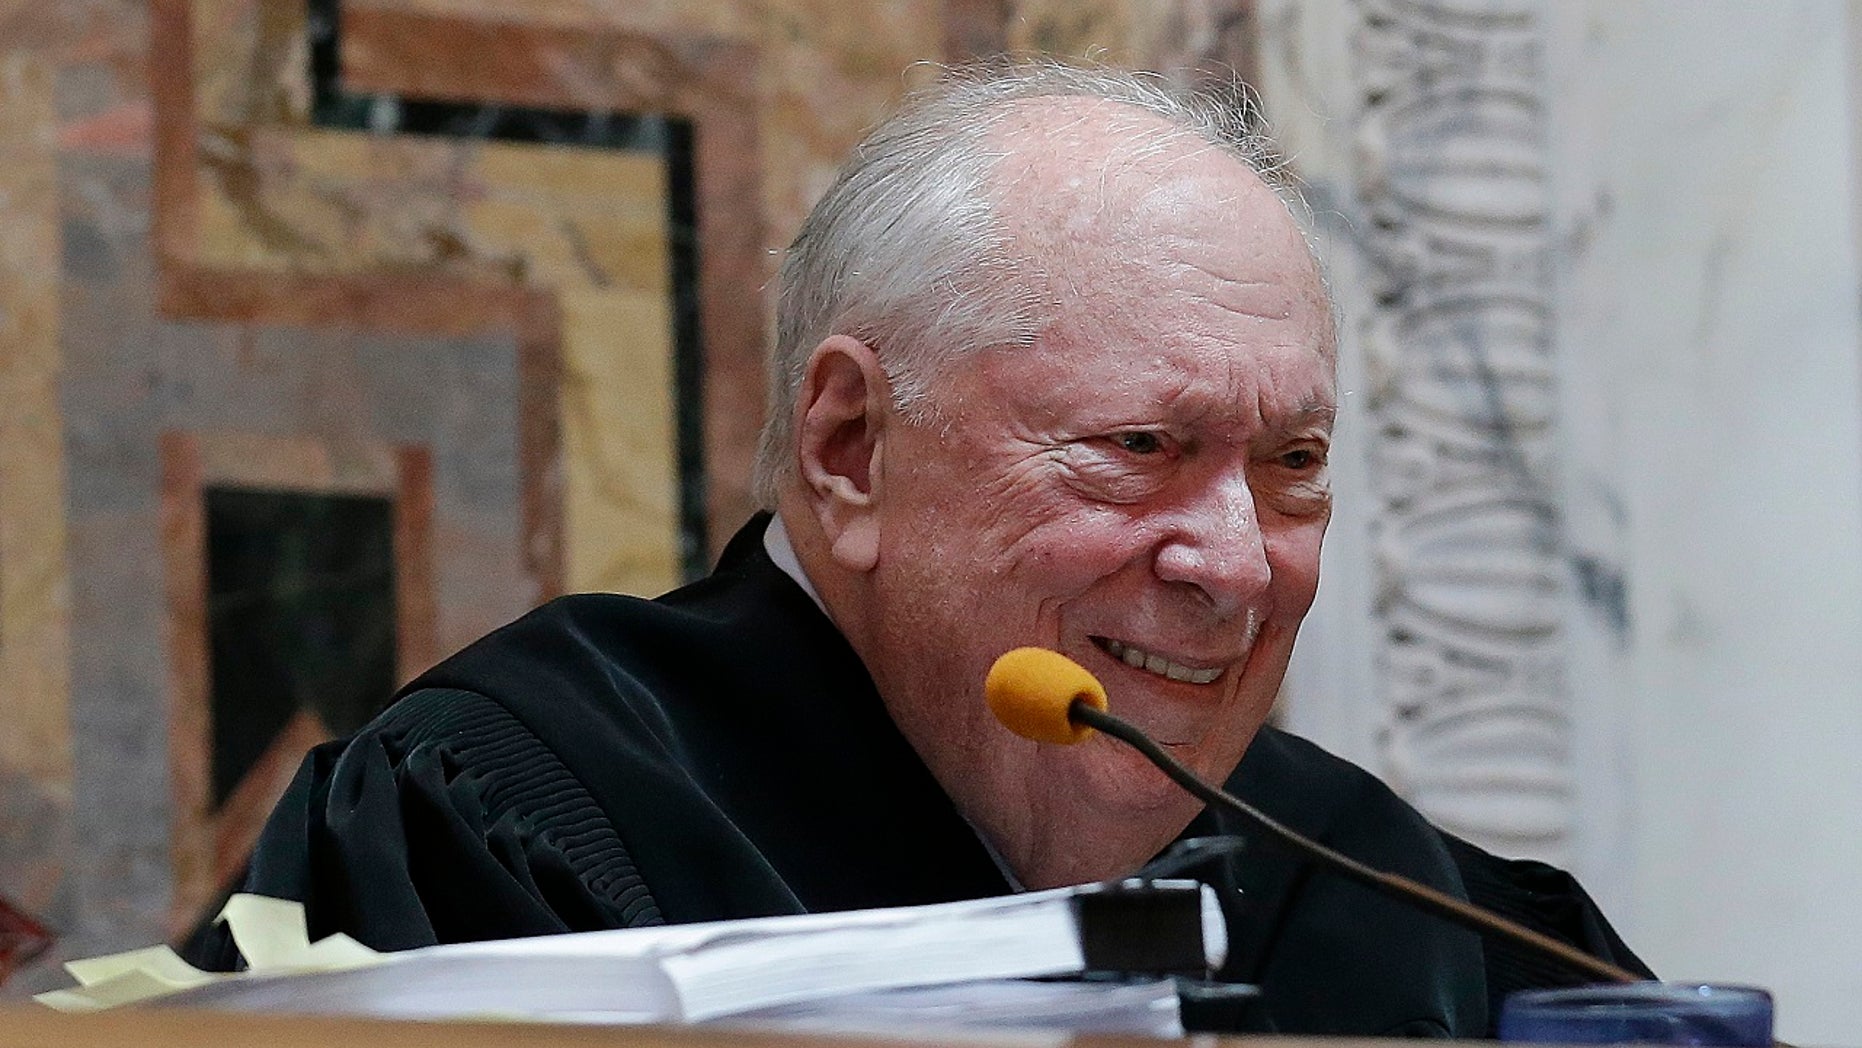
(776,544)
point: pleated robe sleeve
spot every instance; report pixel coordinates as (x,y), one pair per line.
(446,820)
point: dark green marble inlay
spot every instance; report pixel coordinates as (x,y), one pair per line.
(301,616)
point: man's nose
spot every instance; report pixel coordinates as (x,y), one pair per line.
(1215,544)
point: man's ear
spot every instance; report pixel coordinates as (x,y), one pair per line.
(844,405)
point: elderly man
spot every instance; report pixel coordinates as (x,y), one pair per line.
(1054,367)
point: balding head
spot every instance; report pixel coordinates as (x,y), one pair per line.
(1093,199)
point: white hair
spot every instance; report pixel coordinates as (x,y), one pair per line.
(904,251)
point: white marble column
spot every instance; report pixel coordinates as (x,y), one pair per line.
(1594,589)
(1437,194)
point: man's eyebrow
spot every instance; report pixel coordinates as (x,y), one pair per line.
(1315,411)
(1311,411)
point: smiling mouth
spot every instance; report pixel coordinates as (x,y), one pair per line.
(1138,658)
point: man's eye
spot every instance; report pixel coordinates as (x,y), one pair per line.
(1299,459)
(1139,442)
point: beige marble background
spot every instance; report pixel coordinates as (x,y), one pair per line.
(35,594)
(566,246)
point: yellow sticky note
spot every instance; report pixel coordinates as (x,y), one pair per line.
(127,987)
(270,933)
(159,961)
(340,951)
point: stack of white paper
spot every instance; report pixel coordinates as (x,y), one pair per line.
(948,965)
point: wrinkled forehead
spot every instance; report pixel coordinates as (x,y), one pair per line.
(1100,200)
(1042,142)
(1080,167)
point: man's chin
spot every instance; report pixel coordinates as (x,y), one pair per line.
(1122,783)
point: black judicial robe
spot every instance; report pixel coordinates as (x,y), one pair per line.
(721,752)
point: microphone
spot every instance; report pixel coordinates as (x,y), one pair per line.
(1032,692)
(1045,696)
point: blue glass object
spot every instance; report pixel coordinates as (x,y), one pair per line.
(1640,1013)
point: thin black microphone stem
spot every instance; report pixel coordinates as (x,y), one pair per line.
(1394,885)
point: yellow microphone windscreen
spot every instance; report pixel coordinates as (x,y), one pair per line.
(1030,690)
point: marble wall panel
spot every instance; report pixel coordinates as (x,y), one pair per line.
(1105,28)
(580,218)
(209,844)
(99,49)
(72,73)
(333,202)
(975,28)
(817,75)
(709,81)
(342,466)
(83,37)
(248,61)
(827,70)
(617,424)
(825,80)
(272,195)
(732,19)
(130,377)
(1193,40)
(35,753)
(818,79)
(120,876)
(1708,277)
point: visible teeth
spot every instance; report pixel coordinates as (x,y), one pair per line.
(1158,664)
